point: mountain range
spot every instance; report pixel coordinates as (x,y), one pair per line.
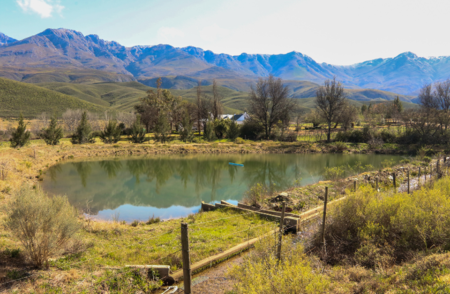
(47,56)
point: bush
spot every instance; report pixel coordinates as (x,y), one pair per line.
(43,225)
(186,133)
(111,133)
(233,130)
(427,159)
(221,127)
(83,133)
(255,194)
(162,128)
(53,133)
(251,130)
(377,228)
(333,173)
(290,137)
(339,146)
(387,137)
(137,132)
(153,220)
(20,136)
(208,132)
(239,140)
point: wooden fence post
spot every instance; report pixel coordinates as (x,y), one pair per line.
(377,184)
(280,238)
(324,215)
(354,186)
(408,182)
(395,184)
(187,275)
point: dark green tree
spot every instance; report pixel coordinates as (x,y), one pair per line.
(53,133)
(208,131)
(186,134)
(137,131)
(363,108)
(233,130)
(111,133)
(162,128)
(20,136)
(220,127)
(83,133)
(398,104)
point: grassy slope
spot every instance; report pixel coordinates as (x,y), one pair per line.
(31,100)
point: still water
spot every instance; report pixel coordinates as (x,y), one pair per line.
(173,186)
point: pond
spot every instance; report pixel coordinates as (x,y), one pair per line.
(136,188)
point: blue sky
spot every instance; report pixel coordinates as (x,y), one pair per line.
(332,31)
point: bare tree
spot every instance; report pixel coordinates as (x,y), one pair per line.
(347,115)
(216,104)
(39,123)
(127,118)
(269,103)
(71,119)
(330,100)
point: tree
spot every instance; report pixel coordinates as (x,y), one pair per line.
(314,118)
(162,128)
(233,130)
(111,133)
(20,136)
(220,127)
(216,105)
(186,133)
(330,100)
(137,134)
(208,132)
(83,133)
(71,119)
(53,133)
(398,104)
(347,115)
(269,103)
(363,108)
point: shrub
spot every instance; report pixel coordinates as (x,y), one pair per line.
(375,143)
(387,136)
(43,225)
(208,132)
(255,194)
(83,133)
(162,128)
(405,161)
(333,173)
(233,130)
(290,137)
(137,132)
(221,127)
(153,220)
(387,227)
(53,133)
(239,140)
(340,146)
(427,159)
(251,130)
(20,136)
(186,133)
(387,163)
(111,133)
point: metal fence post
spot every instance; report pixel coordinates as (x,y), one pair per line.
(187,275)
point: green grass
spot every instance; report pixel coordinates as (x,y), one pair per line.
(118,244)
(31,100)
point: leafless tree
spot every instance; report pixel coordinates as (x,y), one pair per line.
(127,118)
(39,123)
(71,119)
(216,104)
(269,103)
(346,116)
(330,100)
(199,106)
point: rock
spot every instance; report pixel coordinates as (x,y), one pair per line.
(281,197)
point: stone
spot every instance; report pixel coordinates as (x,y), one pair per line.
(281,197)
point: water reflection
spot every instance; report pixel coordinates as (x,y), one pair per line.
(174,186)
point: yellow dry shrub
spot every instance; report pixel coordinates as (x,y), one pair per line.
(261,273)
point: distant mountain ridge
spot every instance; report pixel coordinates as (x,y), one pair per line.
(63,48)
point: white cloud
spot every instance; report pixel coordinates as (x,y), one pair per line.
(45,8)
(213,32)
(166,33)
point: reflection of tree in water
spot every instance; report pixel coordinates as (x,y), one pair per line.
(111,167)
(84,169)
(54,171)
(267,172)
(136,168)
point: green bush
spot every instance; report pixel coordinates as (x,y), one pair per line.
(43,225)
(255,194)
(162,128)
(405,161)
(20,137)
(111,133)
(387,137)
(208,132)
(221,127)
(239,140)
(333,173)
(137,131)
(233,130)
(83,133)
(53,133)
(377,229)
(251,130)
(186,134)
(427,159)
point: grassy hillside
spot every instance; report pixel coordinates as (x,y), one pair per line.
(32,100)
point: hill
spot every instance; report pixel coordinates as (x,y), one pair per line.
(56,49)
(32,100)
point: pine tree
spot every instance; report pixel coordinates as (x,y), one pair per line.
(83,133)
(53,133)
(398,104)
(111,133)
(137,131)
(233,130)
(162,128)
(20,136)
(186,134)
